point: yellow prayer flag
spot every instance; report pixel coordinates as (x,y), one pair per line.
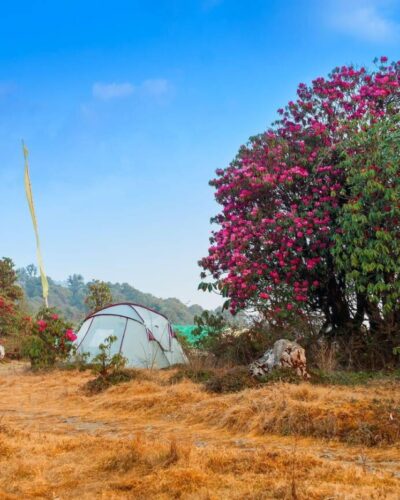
(29,196)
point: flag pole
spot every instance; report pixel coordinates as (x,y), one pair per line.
(29,197)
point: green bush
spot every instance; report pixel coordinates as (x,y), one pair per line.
(288,375)
(109,368)
(105,363)
(50,340)
(101,383)
(231,380)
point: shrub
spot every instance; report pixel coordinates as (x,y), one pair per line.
(51,339)
(351,378)
(193,374)
(101,383)
(230,380)
(238,347)
(106,363)
(79,361)
(209,327)
(288,375)
(109,368)
(230,344)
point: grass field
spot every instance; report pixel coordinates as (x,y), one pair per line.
(150,439)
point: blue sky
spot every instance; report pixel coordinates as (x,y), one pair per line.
(128,107)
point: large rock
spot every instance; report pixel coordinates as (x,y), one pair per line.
(284,354)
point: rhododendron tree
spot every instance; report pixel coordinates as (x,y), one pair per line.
(8,315)
(51,339)
(281,242)
(13,321)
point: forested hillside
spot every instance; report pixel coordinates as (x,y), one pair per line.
(69,297)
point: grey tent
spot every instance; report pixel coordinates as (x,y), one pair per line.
(144,336)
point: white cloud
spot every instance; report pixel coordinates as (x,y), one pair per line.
(365,19)
(155,87)
(107,91)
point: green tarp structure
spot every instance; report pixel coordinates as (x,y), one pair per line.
(187,332)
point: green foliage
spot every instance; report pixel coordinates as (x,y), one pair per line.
(106,363)
(9,317)
(39,353)
(367,248)
(69,298)
(109,368)
(76,285)
(51,340)
(230,343)
(209,327)
(78,361)
(98,295)
(280,374)
(9,288)
(100,383)
(225,340)
(351,378)
(30,281)
(231,380)
(14,323)
(238,378)
(174,309)
(182,338)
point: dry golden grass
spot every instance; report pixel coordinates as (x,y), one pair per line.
(148,439)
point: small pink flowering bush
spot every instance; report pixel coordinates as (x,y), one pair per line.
(51,339)
(310,217)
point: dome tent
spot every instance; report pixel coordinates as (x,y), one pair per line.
(144,336)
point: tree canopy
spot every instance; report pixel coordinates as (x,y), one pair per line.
(310,208)
(99,295)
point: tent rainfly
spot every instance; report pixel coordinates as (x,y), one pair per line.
(144,337)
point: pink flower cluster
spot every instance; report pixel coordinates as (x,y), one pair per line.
(70,335)
(281,196)
(42,325)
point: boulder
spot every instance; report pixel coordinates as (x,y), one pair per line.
(284,354)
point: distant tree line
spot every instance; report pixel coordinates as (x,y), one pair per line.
(69,297)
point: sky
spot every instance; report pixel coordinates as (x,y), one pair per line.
(128,108)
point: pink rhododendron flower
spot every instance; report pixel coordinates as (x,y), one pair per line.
(54,316)
(70,335)
(42,325)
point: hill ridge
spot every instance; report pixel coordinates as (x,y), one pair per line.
(68,297)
